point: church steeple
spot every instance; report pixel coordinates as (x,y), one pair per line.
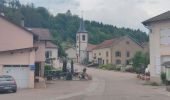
(82,27)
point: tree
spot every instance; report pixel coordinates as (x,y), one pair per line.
(140,59)
(64,26)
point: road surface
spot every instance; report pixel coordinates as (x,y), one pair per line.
(111,85)
(106,85)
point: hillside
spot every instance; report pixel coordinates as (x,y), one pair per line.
(64,26)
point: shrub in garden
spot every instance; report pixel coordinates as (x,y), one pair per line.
(69,76)
(163,77)
(48,68)
(108,67)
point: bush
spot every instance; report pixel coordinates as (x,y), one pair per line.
(163,77)
(130,69)
(108,67)
(48,67)
(118,68)
(69,76)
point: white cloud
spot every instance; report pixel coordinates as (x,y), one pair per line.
(122,13)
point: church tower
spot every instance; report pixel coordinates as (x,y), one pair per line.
(81,43)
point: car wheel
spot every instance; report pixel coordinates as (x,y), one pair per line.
(14,91)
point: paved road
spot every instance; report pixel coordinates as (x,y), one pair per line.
(106,85)
(120,86)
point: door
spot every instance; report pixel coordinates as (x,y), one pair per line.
(100,61)
(20,74)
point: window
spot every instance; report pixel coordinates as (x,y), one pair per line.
(77,38)
(127,62)
(127,54)
(77,46)
(99,54)
(48,54)
(107,54)
(118,54)
(107,61)
(118,61)
(83,37)
(165,37)
(103,61)
(94,54)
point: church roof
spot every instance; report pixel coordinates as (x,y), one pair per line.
(82,27)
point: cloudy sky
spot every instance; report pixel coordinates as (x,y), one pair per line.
(121,13)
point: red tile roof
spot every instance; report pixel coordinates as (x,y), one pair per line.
(108,43)
(44,34)
(114,41)
(90,47)
(51,45)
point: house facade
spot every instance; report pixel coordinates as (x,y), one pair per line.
(51,55)
(159,36)
(90,48)
(47,54)
(22,52)
(117,51)
(17,53)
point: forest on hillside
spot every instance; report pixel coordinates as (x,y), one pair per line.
(64,26)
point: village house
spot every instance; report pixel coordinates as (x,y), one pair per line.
(51,55)
(159,37)
(117,51)
(90,48)
(25,51)
(47,54)
(17,53)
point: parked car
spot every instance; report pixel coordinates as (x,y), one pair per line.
(7,84)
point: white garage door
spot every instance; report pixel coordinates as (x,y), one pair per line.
(20,74)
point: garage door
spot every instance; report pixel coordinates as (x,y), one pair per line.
(20,74)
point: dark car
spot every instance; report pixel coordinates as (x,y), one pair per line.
(7,84)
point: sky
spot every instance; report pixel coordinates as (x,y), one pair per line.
(120,13)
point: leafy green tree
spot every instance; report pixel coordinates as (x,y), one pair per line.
(140,59)
(64,26)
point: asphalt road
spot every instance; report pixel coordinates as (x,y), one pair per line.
(120,86)
(106,85)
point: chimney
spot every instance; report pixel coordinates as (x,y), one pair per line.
(22,22)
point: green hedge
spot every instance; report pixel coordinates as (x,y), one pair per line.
(48,67)
(110,67)
(163,77)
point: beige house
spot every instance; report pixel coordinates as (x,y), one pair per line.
(47,54)
(22,52)
(159,36)
(17,53)
(90,48)
(51,55)
(116,51)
